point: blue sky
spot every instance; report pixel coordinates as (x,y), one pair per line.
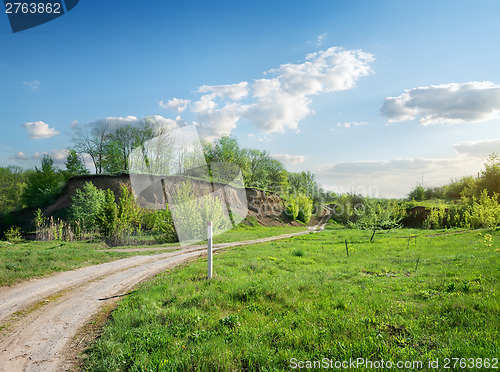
(369,95)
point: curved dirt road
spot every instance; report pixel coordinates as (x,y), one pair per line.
(41,316)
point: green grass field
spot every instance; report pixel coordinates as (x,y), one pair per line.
(27,259)
(270,306)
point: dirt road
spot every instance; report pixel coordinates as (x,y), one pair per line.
(41,316)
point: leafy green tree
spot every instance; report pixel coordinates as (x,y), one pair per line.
(12,185)
(43,185)
(456,188)
(112,161)
(74,165)
(277,176)
(87,204)
(129,213)
(489,178)
(417,194)
(108,216)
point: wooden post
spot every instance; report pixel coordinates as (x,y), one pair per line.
(209,251)
(346,248)
(416,266)
(371,239)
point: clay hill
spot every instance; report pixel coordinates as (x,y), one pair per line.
(267,209)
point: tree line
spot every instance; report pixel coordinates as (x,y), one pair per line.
(109,151)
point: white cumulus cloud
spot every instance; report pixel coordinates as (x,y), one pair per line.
(59,156)
(478,149)
(291,159)
(279,102)
(110,124)
(394,178)
(175,104)
(446,103)
(39,130)
(20,156)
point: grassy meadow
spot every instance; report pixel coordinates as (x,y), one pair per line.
(409,295)
(23,260)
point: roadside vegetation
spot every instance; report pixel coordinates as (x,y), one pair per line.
(406,295)
(22,260)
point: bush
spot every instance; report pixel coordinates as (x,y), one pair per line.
(378,214)
(305,208)
(192,212)
(292,208)
(87,204)
(482,211)
(108,217)
(437,218)
(161,225)
(13,234)
(299,207)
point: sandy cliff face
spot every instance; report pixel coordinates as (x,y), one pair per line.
(267,209)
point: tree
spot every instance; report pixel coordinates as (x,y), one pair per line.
(86,205)
(277,176)
(12,185)
(110,148)
(85,143)
(303,182)
(489,178)
(75,165)
(43,185)
(108,216)
(417,194)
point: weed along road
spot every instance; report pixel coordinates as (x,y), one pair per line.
(40,318)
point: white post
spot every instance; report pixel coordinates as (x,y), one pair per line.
(209,250)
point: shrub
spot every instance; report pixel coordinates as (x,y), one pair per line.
(192,211)
(482,211)
(108,216)
(13,234)
(292,208)
(437,218)
(162,226)
(305,208)
(299,207)
(378,214)
(87,204)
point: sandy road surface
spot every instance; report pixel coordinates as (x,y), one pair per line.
(59,305)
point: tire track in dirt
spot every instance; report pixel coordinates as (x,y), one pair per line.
(41,316)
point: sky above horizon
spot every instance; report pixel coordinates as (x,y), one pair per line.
(373,97)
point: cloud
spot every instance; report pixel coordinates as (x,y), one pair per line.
(394,178)
(291,159)
(478,149)
(33,86)
(349,124)
(110,124)
(233,92)
(175,104)
(39,130)
(445,104)
(319,39)
(278,103)
(20,156)
(59,156)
